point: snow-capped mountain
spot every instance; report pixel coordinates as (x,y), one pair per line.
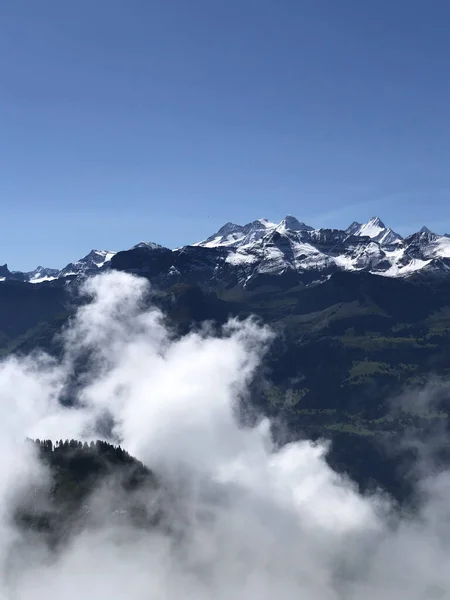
(233,235)
(148,245)
(41,274)
(91,263)
(262,252)
(376,230)
(94,261)
(238,236)
(292,247)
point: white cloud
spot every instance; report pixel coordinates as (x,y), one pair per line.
(252,522)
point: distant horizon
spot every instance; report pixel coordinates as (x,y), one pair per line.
(399,230)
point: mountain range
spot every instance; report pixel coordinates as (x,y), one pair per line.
(95,260)
(361,315)
(256,253)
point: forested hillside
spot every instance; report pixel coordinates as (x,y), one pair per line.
(61,506)
(344,352)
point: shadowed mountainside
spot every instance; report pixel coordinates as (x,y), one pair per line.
(344,350)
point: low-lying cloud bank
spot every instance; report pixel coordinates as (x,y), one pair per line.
(281,523)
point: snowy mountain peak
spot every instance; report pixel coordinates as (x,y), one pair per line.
(376,230)
(229,228)
(376,222)
(96,259)
(424,229)
(259,224)
(232,234)
(353,228)
(372,228)
(148,245)
(265,223)
(290,222)
(41,274)
(99,257)
(228,234)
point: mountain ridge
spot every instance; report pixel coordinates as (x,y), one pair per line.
(291,252)
(290,246)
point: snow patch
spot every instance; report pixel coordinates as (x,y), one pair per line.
(240,258)
(415,265)
(42,279)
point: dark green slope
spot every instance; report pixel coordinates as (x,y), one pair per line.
(346,345)
(345,349)
(60,507)
(349,346)
(25,307)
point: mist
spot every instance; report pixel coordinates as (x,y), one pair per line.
(248,520)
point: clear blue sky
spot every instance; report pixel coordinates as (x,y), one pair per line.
(125,120)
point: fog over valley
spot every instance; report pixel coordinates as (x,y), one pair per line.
(227,514)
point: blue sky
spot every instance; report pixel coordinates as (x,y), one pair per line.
(125,120)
